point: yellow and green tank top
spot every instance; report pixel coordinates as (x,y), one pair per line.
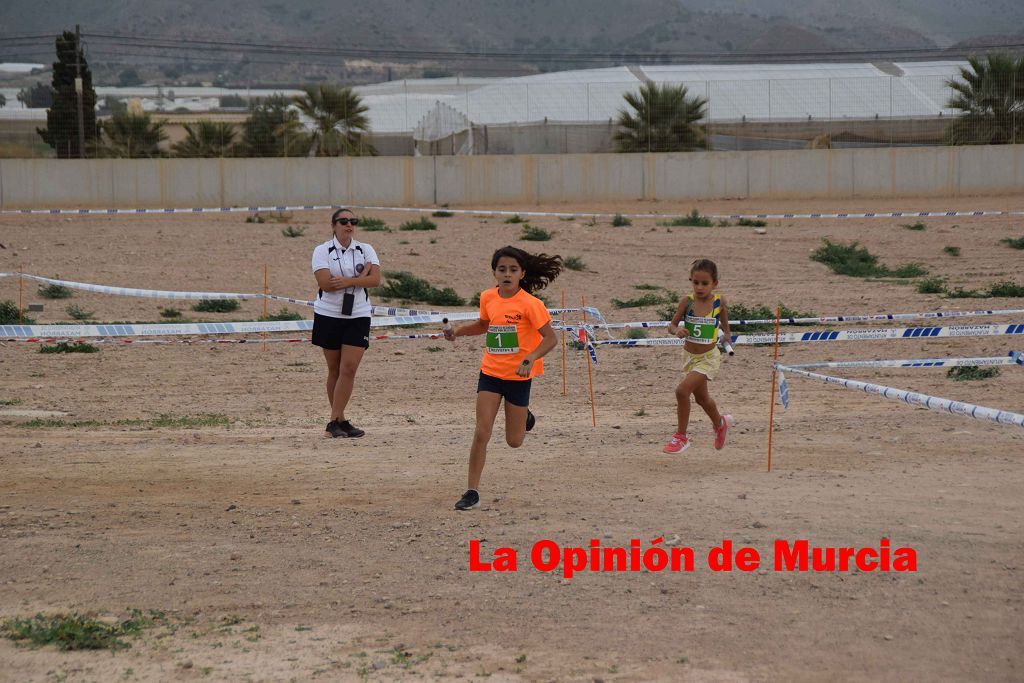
(703,330)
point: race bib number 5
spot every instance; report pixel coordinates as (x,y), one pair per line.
(502,339)
(702,329)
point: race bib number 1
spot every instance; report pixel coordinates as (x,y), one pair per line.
(502,339)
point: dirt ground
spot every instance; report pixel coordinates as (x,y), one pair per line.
(267,552)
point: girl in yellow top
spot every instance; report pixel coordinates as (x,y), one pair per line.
(704,316)
(518,329)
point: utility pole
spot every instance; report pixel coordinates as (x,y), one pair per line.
(78,91)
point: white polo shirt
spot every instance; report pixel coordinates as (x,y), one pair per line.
(344,262)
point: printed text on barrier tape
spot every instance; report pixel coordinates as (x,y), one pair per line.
(1012,359)
(916,399)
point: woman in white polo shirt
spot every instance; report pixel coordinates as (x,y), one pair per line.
(344,268)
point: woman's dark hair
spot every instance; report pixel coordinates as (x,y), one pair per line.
(540,269)
(705,265)
(336,214)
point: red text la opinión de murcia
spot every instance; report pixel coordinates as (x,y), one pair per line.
(789,556)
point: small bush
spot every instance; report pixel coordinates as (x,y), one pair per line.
(952,251)
(636,333)
(645,300)
(68,347)
(408,287)
(475,301)
(535,234)
(294,232)
(77,313)
(1013,242)
(1006,289)
(70,632)
(694,219)
(54,292)
(752,223)
(434,349)
(442,214)
(961,293)
(256,218)
(170,313)
(283,314)
(574,263)
(646,287)
(423,223)
(567,219)
(913,226)
(856,261)
(9,314)
(370,224)
(966,373)
(515,219)
(216,305)
(619,221)
(932,285)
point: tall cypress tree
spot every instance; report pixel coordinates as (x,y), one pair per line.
(61,130)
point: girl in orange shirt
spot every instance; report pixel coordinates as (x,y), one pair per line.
(518,329)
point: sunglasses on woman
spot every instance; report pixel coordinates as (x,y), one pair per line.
(348,221)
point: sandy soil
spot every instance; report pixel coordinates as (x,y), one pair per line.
(275,554)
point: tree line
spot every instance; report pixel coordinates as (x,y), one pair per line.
(332,120)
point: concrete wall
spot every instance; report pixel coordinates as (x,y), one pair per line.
(512,179)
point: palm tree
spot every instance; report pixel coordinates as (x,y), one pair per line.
(128,135)
(339,121)
(664,119)
(991,99)
(206,139)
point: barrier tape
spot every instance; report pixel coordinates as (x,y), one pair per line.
(497,212)
(913,398)
(1013,358)
(828,319)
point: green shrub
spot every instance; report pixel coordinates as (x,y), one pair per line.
(370,224)
(646,287)
(216,305)
(961,293)
(952,251)
(913,226)
(283,314)
(694,219)
(932,285)
(636,333)
(9,314)
(77,313)
(645,300)
(1006,289)
(515,219)
(422,223)
(534,234)
(619,221)
(752,223)
(170,313)
(574,263)
(294,232)
(442,214)
(1014,242)
(965,373)
(68,347)
(54,292)
(739,312)
(856,261)
(254,219)
(408,287)
(70,632)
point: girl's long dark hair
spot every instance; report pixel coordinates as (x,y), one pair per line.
(540,269)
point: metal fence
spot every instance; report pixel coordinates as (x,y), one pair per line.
(502,117)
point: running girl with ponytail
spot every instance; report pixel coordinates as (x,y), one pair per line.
(519,334)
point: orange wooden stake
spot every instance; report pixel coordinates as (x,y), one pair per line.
(771,410)
(590,374)
(564,393)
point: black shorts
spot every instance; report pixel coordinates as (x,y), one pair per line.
(331,333)
(516,392)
